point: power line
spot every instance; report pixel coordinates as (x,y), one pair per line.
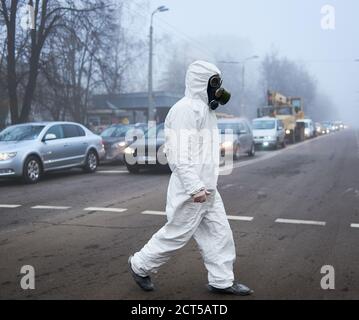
(184,36)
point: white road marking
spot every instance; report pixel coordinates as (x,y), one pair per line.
(306,222)
(116,210)
(10,206)
(154,213)
(50,208)
(112,171)
(355,225)
(162,213)
(240,218)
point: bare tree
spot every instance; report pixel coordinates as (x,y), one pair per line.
(48,16)
(289,78)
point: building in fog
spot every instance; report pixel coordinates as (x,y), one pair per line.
(128,108)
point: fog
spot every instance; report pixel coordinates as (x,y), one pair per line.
(292,28)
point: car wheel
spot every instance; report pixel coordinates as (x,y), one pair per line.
(134,169)
(252,152)
(91,163)
(32,170)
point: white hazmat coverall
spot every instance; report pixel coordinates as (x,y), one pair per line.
(206,222)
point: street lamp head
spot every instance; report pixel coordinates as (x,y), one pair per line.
(162,9)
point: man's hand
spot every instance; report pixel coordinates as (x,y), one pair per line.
(201,197)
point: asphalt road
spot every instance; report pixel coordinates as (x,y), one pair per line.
(79,250)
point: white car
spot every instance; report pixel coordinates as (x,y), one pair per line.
(309,131)
(269,132)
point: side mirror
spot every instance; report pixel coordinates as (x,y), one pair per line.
(50,137)
(280,128)
(243,132)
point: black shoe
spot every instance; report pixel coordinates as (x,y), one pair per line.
(237,289)
(144,283)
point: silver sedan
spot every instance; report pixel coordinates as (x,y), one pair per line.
(29,150)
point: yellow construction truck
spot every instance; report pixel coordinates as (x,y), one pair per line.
(287,109)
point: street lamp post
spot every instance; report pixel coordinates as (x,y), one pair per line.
(243,63)
(151,113)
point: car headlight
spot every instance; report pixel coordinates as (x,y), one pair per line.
(4,156)
(270,138)
(129,150)
(287,132)
(122,144)
(227,144)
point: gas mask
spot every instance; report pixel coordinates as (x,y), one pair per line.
(216,94)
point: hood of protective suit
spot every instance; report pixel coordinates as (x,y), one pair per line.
(198,75)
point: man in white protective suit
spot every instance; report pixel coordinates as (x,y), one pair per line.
(194,206)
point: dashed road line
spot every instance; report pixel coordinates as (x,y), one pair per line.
(240,218)
(154,213)
(9,206)
(163,213)
(113,210)
(305,222)
(50,208)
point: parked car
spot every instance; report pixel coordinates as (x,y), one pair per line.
(309,131)
(118,137)
(236,138)
(30,150)
(269,133)
(147,152)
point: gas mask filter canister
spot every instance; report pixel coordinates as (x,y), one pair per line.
(216,94)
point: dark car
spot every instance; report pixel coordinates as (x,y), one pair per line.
(118,137)
(147,152)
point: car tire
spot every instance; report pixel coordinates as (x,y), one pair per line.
(283,144)
(91,163)
(134,169)
(32,170)
(252,152)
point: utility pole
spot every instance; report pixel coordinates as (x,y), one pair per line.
(151,105)
(243,84)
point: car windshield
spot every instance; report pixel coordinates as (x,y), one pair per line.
(21,133)
(285,111)
(263,125)
(115,132)
(227,127)
(306,124)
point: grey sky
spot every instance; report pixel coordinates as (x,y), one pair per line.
(291,26)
